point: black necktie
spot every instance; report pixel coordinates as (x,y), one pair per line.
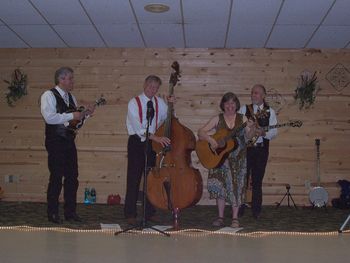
(150,111)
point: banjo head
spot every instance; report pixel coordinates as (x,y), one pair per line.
(318,196)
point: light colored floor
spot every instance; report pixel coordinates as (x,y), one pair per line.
(49,246)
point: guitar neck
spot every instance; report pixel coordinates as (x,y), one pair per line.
(86,110)
(267,128)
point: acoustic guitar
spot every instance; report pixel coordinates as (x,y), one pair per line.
(226,140)
(75,125)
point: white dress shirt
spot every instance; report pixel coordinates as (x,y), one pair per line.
(270,134)
(48,108)
(133,123)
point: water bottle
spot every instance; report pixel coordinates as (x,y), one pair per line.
(93,195)
(87,196)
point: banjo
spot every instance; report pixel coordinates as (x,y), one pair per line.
(318,196)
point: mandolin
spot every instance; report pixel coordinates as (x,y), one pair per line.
(77,124)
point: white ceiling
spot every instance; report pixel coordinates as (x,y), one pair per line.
(188,23)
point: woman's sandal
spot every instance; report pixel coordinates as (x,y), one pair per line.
(218,222)
(235,223)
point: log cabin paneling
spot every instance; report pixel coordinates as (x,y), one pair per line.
(118,74)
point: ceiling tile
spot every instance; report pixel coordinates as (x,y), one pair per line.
(248,12)
(247,36)
(62,12)
(8,39)
(301,12)
(122,35)
(206,11)
(205,23)
(79,35)
(38,35)
(290,36)
(330,37)
(163,35)
(109,11)
(173,16)
(205,35)
(339,14)
(19,12)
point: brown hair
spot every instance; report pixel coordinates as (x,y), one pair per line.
(229,96)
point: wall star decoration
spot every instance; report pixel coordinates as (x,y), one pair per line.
(338,77)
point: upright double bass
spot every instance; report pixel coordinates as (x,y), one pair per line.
(173,184)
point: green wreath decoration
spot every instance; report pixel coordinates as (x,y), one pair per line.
(17,87)
(307,89)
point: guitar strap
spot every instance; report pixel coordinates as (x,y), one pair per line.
(71,101)
(139,105)
(251,111)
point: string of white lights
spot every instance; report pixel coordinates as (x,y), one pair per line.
(192,232)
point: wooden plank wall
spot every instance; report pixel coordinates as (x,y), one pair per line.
(206,75)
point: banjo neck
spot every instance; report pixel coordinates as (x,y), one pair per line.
(296,123)
(318,176)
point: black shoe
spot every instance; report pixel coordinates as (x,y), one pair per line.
(241,210)
(154,219)
(73,218)
(256,216)
(54,219)
(131,221)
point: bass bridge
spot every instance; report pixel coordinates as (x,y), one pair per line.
(161,159)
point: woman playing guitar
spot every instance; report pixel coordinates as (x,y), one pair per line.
(226,182)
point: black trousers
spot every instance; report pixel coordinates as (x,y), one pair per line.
(62,163)
(136,165)
(256,163)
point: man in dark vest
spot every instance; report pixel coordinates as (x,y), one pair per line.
(58,107)
(258,152)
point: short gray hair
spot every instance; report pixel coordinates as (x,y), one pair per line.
(260,86)
(153,78)
(61,72)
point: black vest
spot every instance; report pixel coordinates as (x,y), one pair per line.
(263,121)
(54,130)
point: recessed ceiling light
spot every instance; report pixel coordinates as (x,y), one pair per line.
(157,8)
